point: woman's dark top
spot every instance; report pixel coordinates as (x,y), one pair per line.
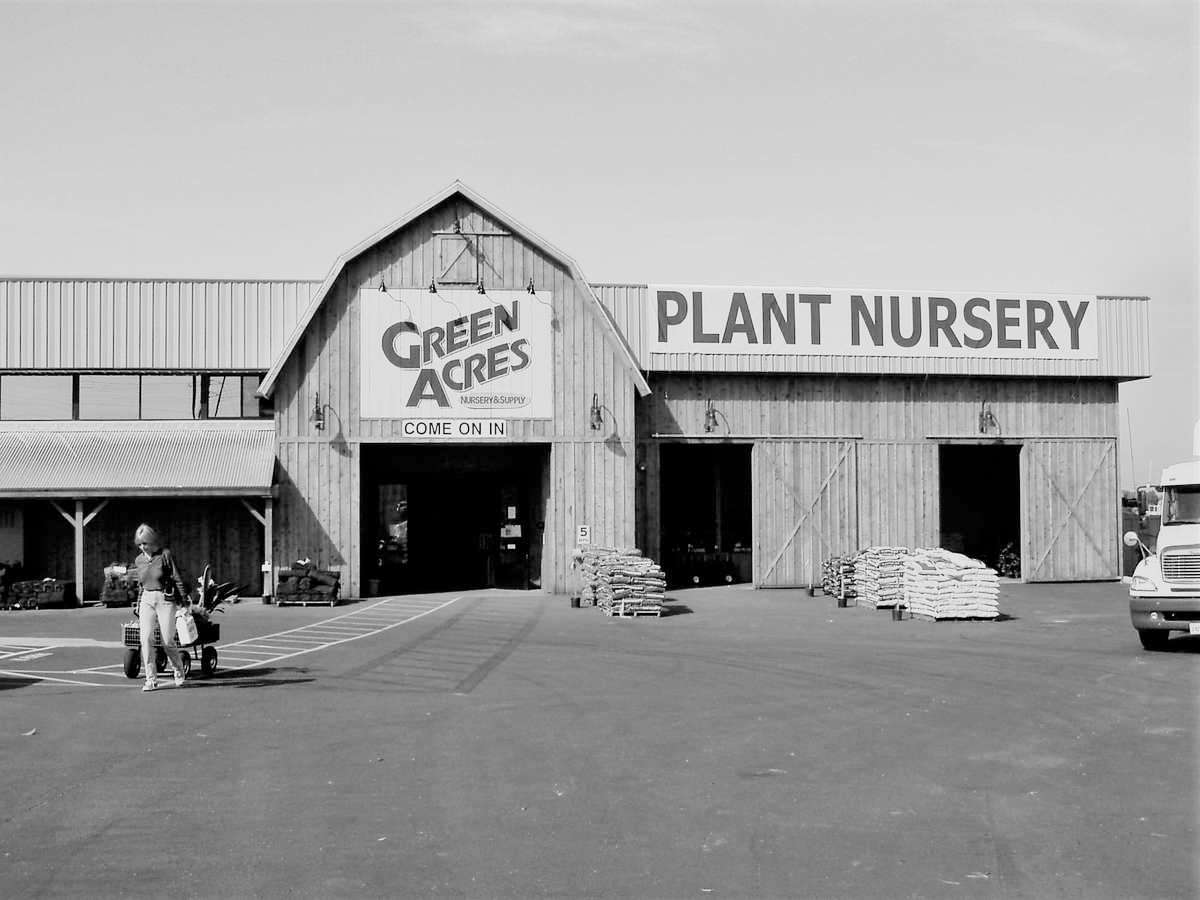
(158,572)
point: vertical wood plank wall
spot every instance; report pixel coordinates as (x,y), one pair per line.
(1072,525)
(804,508)
(591,478)
(896,424)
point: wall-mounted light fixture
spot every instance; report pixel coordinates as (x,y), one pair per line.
(432,286)
(987,420)
(530,288)
(382,286)
(317,417)
(595,419)
(710,416)
(481,288)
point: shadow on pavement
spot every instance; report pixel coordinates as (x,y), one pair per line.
(1187,643)
(676,609)
(250,678)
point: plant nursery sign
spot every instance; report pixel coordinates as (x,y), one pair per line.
(435,358)
(861,322)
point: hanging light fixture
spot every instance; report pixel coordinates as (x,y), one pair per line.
(530,288)
(481,289)
(317,417)
(432,286)
(595,419)
(382,286)
(710,416)
(988,423)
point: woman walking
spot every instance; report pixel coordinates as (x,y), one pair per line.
(161,582)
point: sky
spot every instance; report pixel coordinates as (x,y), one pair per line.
(950,146)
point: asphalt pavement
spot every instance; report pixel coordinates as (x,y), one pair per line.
(502,744)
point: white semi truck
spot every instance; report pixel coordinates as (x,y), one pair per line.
(1164,592)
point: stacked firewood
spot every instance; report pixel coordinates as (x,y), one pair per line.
(36,594)
(304,583)
(879,576)
(837,577)
(621,581)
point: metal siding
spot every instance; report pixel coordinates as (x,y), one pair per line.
(98,324)
(1071,521)
(804,508)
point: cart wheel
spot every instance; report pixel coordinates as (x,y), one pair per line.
(185,660)
(160,659)
(208,661)
(133,662)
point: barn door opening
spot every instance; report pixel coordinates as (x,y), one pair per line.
(453,517)
(980,494)
(706,514)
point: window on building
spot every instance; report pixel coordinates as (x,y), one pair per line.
(109,396)
(170,396)
(25,397)
(255,407)
(224,397)
(129,397)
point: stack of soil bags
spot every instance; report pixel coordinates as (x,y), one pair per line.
(879,576)
(837,577)
(621,582)
(941,584)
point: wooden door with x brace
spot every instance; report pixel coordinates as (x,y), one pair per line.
(1070,508)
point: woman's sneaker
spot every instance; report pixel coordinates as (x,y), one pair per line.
(151,684)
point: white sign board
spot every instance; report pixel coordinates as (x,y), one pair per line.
(860,322)
(583,535)
(434,359)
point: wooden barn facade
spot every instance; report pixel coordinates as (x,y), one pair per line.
(455,406)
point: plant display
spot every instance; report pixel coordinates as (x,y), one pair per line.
(1009,563)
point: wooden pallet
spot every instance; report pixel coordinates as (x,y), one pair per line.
(633,611)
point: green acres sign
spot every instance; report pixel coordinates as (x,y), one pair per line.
(437,358)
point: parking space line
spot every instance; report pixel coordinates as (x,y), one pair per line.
(263,650)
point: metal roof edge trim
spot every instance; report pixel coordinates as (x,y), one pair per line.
(109,426)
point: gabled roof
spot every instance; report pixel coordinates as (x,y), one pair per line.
(112,459)
(455,189)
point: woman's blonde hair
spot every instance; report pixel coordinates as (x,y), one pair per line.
(147,535)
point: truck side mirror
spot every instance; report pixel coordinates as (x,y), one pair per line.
(1130,539)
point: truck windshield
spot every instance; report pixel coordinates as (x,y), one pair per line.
(1181,505)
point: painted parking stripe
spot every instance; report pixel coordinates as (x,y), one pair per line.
(258,651)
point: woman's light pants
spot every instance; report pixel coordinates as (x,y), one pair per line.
(156,605)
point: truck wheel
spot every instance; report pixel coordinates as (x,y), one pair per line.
(132,662)
(1154,638)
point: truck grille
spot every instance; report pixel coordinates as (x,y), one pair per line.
(1181,567)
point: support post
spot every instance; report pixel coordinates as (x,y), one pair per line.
(265,518)
(79,520)
(268,533)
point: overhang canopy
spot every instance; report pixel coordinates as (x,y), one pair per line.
(136,459)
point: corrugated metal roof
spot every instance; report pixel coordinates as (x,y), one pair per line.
(76,459)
